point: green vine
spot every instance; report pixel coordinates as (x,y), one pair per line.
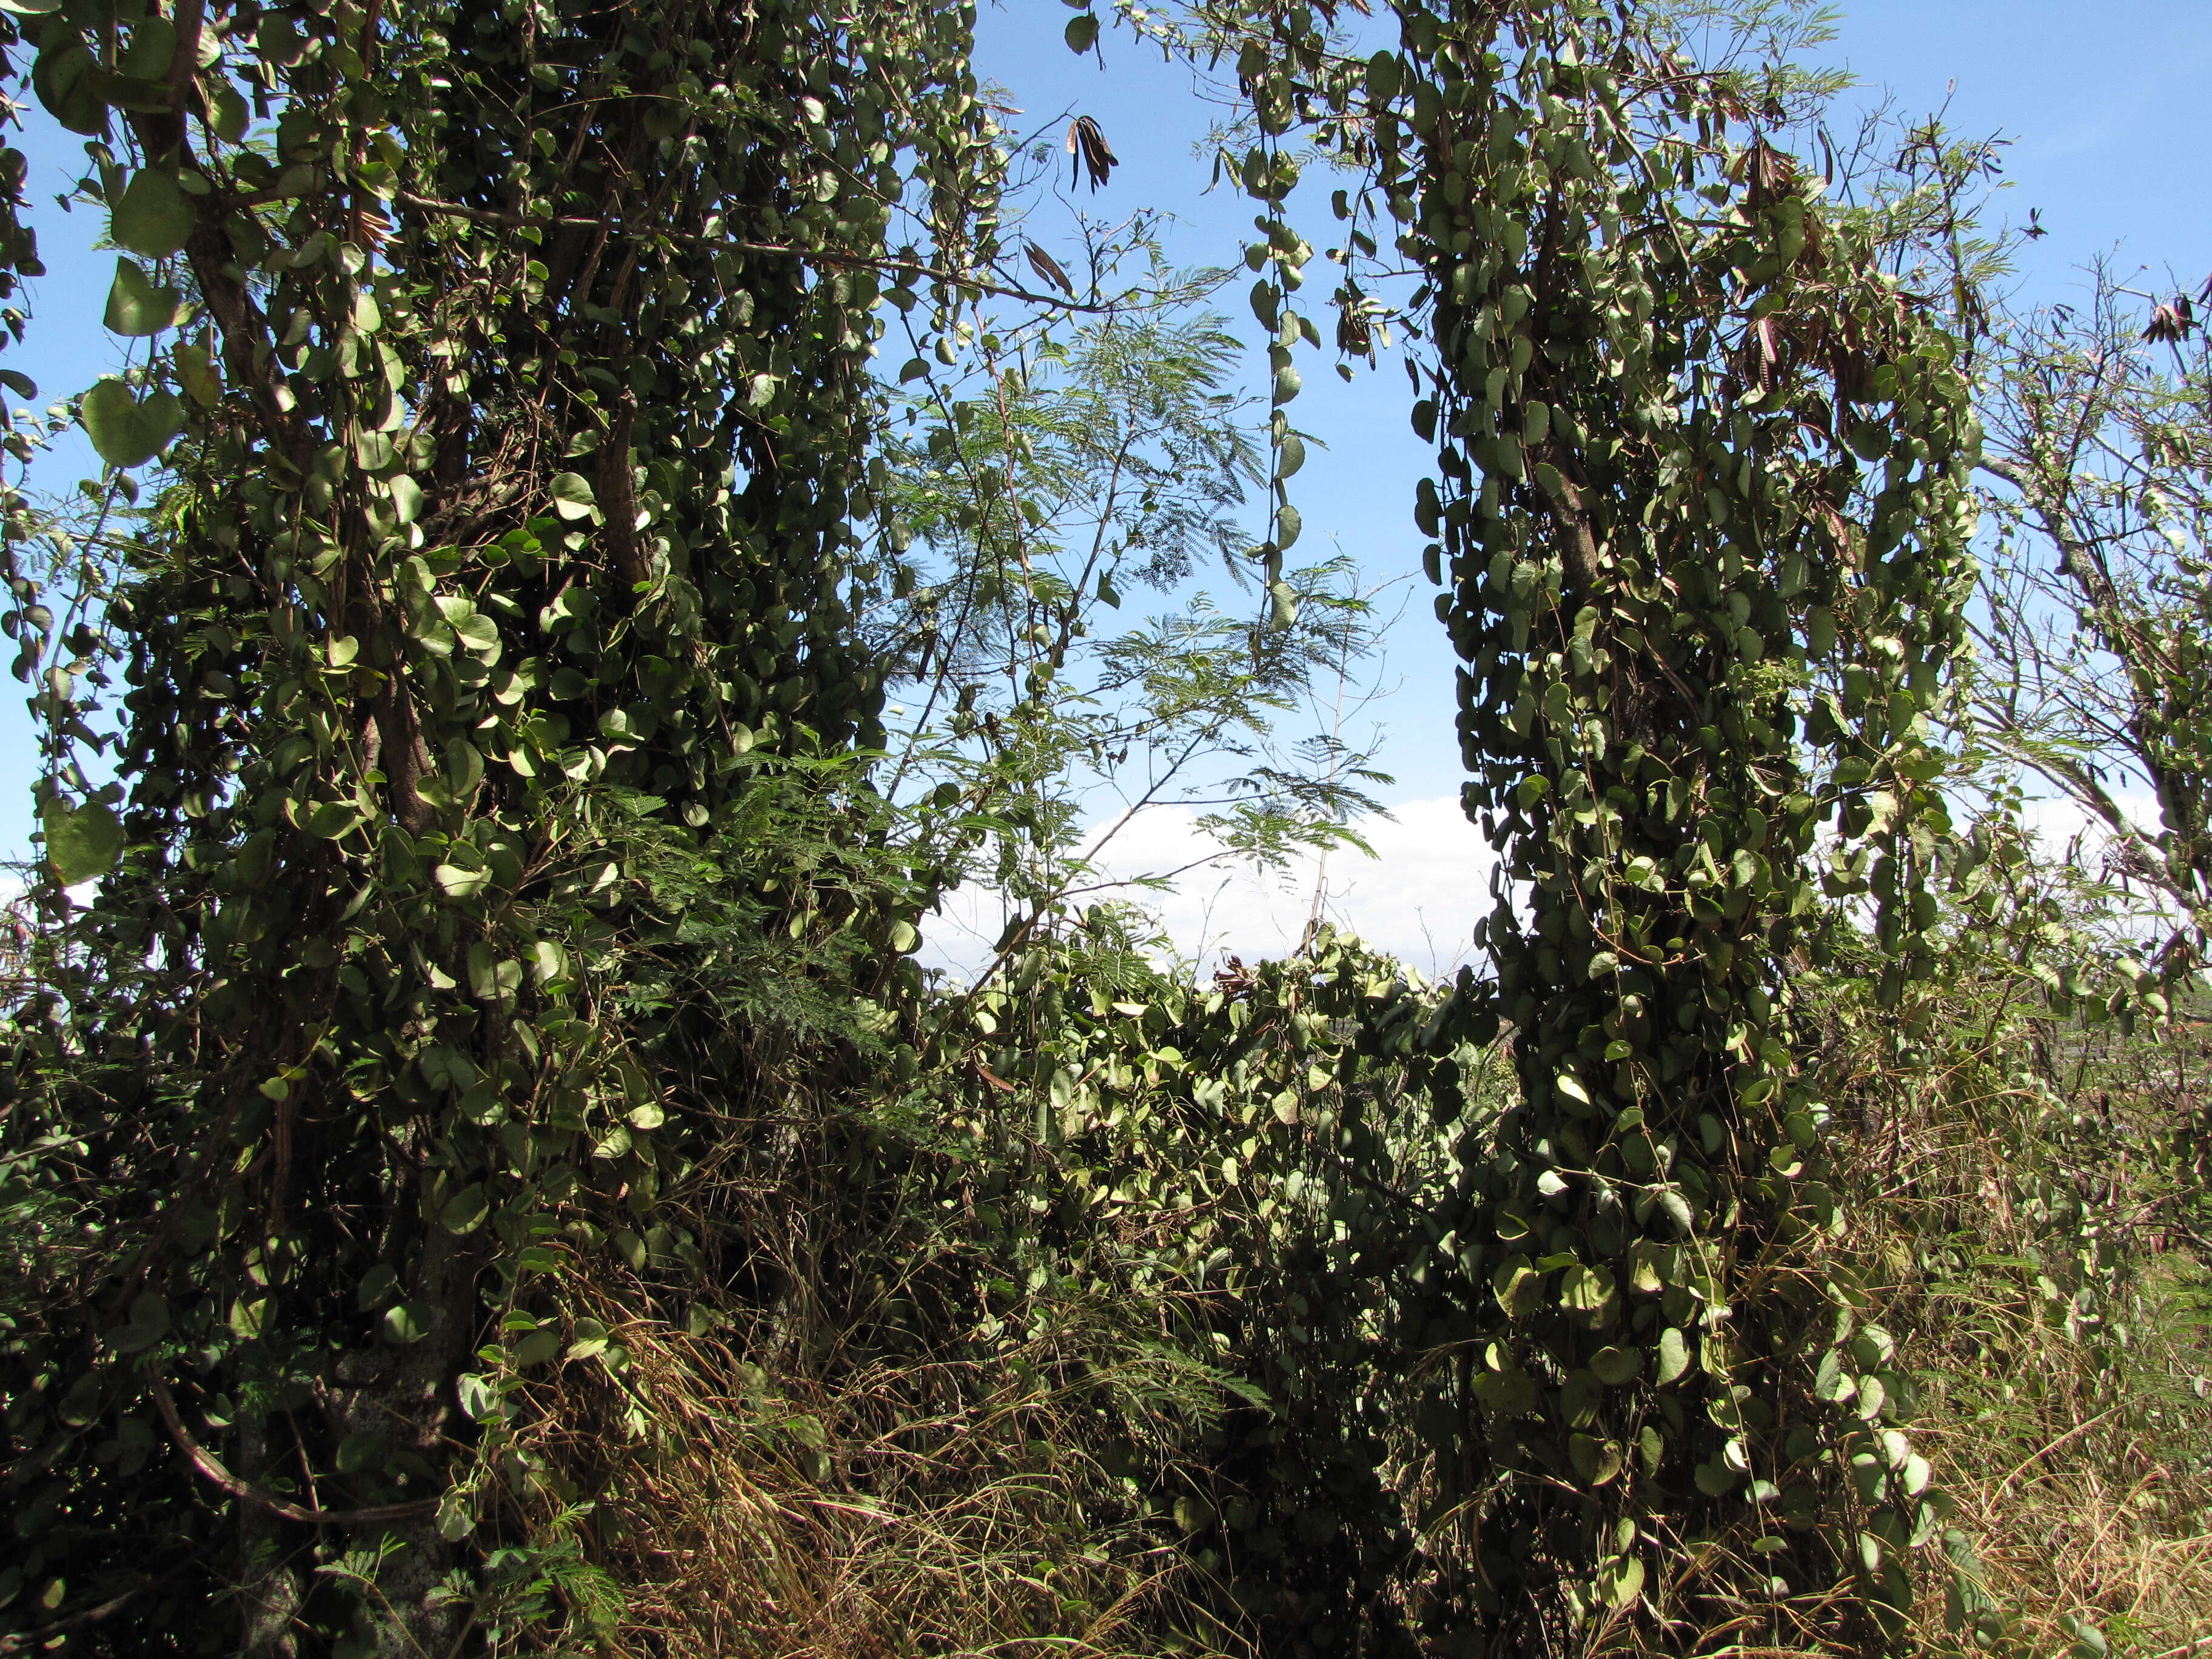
(1702,521)
(488,678)
(497,840)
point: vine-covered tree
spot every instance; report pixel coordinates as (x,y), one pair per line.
(508,865)
(489,644)
(1701,517)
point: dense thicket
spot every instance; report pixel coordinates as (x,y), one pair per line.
(484,1172)
(487,644)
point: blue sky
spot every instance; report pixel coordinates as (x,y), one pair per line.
(2106,107)
(2106,112)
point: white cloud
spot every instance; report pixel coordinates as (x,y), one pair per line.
(2058,821)
(1418,898)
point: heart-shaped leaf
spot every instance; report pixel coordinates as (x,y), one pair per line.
(83,842)
(155,216)
(128,431)
(136,305)
(480,1396)
(1595,1461)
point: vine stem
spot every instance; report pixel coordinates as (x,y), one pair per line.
(212,1469)
(909,267)
(2079,1429)
(27,1641)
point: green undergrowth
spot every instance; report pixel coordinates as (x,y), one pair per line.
(1098,1310)
(1134,1316)
(2026,1196)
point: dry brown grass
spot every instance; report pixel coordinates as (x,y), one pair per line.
(944,1509)
(2014,1200)
(2088,1486)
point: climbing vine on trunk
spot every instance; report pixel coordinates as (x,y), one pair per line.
(488,673)
(1702,520)
(492,830)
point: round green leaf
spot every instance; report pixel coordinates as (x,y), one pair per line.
(197,374)
(466,1210)
(332,819)
(153,47)
(155,216)
(1615,1367)
(457,883)
(454,1521)
(67,79)
(1714,1478)
(571,495)
(1384,77)
(231,115)
(83,842)
(128,431)
(1620,1581)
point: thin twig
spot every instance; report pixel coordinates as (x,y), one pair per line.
(211,1467)
(26,1640)
(826,256)
(2078,1429)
